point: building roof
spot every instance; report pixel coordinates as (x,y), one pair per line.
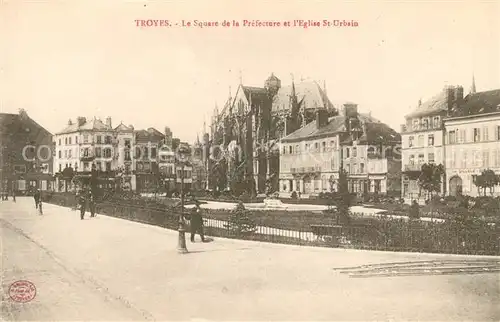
(375,131)
(124,128)
(15,125)
(93,124)
(436,104)
(479,103)
(309,94)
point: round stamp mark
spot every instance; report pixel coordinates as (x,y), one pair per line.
(22,291)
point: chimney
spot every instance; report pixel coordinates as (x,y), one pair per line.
(70,122)
(350,110)
(131,127)
(108,121)
(81,120)
(321,118)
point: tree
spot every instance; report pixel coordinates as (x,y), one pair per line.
(430,180)
(240,223)
(343,198)
(487,179)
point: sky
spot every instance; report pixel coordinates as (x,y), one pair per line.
(64,59)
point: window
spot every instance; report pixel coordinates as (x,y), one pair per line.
(69,154)
(76,139)
(430,140)
(60,140)
(153,152)
(371,151)
(60,154)
(76,166)
(420,140)
(297,149)
(127,143)
(290,150)
(65,154)
(436,122)
(354,152)
(485,133)
(107,139)
(98,152)
(284,149)
(307,147)
(451,137)
(421,159)
(60,166)
(361,168)
(108,166)
(464,159)
(430,158)
(346,152)
(486,159)
(477,135)
(65,141)
(127,155)
(461,136)
(425,123)
(146,153)
(323,146)
(332,144)
(86,152)
(98,166)
(85,138)
(85,165)
(412,159)
(498,132)
(410,141)
(354,168)
(98,139)
(348,168)
(69,140)
(415,124)
(107,153)
(316,147)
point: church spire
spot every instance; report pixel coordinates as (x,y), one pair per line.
(473,86)
(241,78)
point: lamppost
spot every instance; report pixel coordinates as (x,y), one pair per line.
(182,155)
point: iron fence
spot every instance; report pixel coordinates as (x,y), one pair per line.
(391,234)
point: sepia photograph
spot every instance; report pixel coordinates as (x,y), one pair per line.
(257,160)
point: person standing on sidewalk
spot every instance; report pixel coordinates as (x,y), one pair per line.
(197,222)
(82,200)
(92,204)
(36,196)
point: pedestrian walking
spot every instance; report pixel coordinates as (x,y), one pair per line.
(82,201)
(197,222)
(36,196)
(92,204)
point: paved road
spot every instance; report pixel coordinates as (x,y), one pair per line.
(110,269)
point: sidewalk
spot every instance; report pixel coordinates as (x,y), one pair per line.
(242,280)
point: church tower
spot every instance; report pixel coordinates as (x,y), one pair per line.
(272,85)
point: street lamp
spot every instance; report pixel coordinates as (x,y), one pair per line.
(182,155)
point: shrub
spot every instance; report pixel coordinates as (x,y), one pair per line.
(294,194)
(239,222)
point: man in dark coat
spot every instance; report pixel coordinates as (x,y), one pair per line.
(197,223)
(92,204)
(36,196)
(82,200)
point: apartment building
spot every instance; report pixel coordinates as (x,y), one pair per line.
(472,142)
(311,157)
(147,144)
(25,154)
(422,139)
(92,144)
